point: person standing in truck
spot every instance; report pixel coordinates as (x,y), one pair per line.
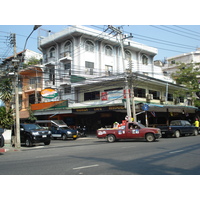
(196,123)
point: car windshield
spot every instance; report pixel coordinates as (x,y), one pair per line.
(59,122)
(66,128)
(31,126)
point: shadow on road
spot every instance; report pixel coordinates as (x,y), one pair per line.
(155,164)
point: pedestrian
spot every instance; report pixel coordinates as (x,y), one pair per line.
(196,123)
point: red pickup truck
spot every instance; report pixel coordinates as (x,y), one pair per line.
(130,130)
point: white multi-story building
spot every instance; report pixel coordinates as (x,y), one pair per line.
(86,68)
(172,62)
(79,53)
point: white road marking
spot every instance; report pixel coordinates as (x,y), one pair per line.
(176,151)
(46,156)
(86,166)
(128,147)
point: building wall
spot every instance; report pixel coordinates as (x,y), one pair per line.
(104,65)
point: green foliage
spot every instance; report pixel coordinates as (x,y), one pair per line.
(6,118)
(32,61)
(187,75)
(31,118)
(6,89)
(6,113)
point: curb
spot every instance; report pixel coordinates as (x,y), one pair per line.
(3,150)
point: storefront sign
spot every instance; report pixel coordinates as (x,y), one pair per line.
(99,109)
(49,93)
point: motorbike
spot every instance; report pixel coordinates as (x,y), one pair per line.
(81,131)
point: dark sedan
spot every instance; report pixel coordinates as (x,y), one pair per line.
(1,137)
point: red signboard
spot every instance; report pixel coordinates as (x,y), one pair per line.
(104,96)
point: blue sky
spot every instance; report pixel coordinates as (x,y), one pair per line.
(170,40)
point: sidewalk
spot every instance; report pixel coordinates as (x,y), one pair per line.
(7,148)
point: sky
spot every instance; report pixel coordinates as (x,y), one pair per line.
(170,40)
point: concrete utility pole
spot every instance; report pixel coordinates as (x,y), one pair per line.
(17,122)
(128,107)
(132,92)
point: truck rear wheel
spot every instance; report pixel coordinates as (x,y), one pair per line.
(195,132)
(177,134)
(150,137)
(111,138)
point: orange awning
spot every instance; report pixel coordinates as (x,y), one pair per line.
(46,105)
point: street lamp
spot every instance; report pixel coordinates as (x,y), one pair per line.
(17,141)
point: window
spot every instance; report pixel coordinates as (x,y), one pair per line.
(156,94)
(139,92)
(68,49)
(109,70)
(108,51)
(89,67)
(170,97)
(67,68)
(127,55)
(52,52)
(52,74)
(67,90)
(92,96)
(89,46)
(144,60)
(173,62)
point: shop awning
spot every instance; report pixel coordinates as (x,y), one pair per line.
(49,105)
(171,108)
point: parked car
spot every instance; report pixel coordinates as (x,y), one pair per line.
(32,133)
(178,128)
(1,137)
(59,129)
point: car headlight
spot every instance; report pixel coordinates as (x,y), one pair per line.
(69,132)
(35,133)
(49,132)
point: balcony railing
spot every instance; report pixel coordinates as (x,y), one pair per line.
(65,56)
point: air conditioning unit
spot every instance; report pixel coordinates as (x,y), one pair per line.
(149,96)
(162,99)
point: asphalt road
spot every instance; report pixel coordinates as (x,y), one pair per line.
(92,156)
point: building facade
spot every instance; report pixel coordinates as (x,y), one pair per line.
(30,78)
(78,53)
(85,67)
(172,62)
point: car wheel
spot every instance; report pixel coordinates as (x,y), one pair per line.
(47,143)
(111,138)
(150,137)
(195,132)
(177,134)
(28,142)
(64,137)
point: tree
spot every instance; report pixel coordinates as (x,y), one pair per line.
(6,89)
(6,118)
(6,113)
(187,75)
(32,61)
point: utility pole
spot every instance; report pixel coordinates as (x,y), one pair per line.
(16,67)
(128,107)
(132,92)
